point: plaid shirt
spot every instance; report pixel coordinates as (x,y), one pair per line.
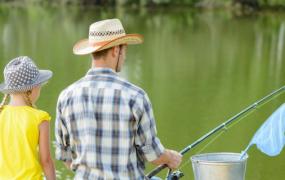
(105,127)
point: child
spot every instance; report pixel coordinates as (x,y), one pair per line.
(24,130)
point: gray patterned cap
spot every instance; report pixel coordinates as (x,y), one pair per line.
(21,74)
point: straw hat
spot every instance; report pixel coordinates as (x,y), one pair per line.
(103,35)
(21,75)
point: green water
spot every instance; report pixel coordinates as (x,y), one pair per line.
(198,67)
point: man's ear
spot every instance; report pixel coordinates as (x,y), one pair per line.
(115,51)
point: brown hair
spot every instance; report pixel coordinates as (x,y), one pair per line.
(4,101)
(28,99)
(100,54)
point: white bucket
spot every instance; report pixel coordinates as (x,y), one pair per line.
(219,166)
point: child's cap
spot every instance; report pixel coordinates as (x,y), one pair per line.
(21,74)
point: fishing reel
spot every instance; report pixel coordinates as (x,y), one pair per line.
(176,175)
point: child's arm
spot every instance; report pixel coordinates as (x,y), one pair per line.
(44,151)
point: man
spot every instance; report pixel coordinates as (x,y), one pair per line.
(105,127)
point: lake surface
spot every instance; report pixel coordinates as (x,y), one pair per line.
(199,68)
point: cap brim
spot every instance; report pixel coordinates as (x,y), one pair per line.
(2,87)
(84,47)
(44,76)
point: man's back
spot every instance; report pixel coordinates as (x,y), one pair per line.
(105,126)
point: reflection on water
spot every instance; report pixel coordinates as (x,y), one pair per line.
(198,67)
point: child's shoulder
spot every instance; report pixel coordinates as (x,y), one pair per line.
(40,114)
(40,111)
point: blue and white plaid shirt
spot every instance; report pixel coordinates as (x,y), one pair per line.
(105,127)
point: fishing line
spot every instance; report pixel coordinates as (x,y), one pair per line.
(226,125)
(202,149)
(217,136)
(229,127)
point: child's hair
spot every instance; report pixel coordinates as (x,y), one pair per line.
(4,101)
(28,99)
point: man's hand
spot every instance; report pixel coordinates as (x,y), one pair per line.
(170,157)
(174,159)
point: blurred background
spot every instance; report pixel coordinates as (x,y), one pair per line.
(202,62)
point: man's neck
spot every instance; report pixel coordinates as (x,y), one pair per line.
(102,64)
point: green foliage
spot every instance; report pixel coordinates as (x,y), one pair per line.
(149,3)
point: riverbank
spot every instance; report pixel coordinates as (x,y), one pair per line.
(256,5)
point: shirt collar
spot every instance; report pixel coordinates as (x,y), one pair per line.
(97,71)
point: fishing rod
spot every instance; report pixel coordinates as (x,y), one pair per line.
(221,126)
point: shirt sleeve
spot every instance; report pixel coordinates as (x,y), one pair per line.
(146,140)
(63,151)
(43,116)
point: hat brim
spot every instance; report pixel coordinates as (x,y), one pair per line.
(44,76)
(84,47)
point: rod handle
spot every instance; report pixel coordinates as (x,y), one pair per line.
(156,170)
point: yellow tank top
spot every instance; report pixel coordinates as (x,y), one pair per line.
(19,138)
